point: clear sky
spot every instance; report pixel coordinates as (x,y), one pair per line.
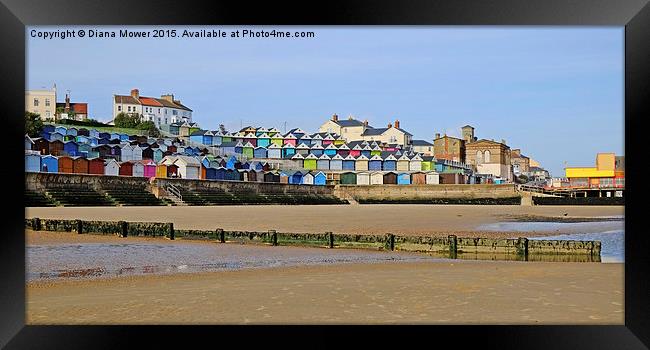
(555,92)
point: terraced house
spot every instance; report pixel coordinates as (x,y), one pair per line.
(162,111)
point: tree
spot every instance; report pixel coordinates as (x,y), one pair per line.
(150,127)
(123,120)
(33,124)
(522,179)
(222,128)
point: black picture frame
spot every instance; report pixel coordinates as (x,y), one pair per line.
(15,15)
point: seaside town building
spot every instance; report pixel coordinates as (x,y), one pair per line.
(520,163)
(41,102)
(71,110)
(449,148)
(354,130)
(162,111)
(490,157)
(422,146)
(609,172)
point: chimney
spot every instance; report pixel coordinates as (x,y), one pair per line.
(135,93)
(437,135)
(503,141)
(168,97)
(67,103)
(390,125)
(396,123)
(335,117)
(365,123)
(350,117)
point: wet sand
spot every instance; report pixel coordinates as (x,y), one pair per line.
(459,292)
(415,219)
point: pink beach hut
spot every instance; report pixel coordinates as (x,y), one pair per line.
(149,168)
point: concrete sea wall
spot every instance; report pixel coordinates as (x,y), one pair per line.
(443,194)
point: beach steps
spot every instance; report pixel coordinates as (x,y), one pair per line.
(37,199)
(78,197)
(250,197)
(133,197)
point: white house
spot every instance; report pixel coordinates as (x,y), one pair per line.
(162,111)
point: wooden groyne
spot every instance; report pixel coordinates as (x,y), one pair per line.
(452,246)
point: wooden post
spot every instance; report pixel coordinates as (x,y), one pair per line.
(595,250)
(453,246)
(330,238)
(79,226)
(274,237)
(522,247)
(171,230)
(124,228)
(36,224)
(222,236)
(391,241)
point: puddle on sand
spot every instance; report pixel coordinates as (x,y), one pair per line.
(96,260)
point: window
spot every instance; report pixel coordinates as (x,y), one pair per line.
(158,110)
(479,157)
(119,108)
(129,108)
(47,114)
(47,102)
(175,112)
(35,102)
(487,156)
(165,120)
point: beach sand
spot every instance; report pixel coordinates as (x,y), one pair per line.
(436,292)
(459,292)
(415,219)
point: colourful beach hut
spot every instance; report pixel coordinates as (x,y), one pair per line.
(356,150)
(330,150)
(323,162)
(317,150)
(432,178)
(302,149)
(403,163)
(263,140)
(32,161)
(343,150)
(308,179)
(336,163)
(296,178)
(80,165)
(71,148)
(376,178)
(288,150)
(284,177)
(96,166)
(250,138)
(363,178)
(271,176)
(149,168)
(56,148)
(161,171)
(375,163)
(274,151)
(290,139)
(317,140)
(158,155)
(320,179)
(361,164)
(403,179)
(366,151)
(277,140)
(418,178)
(138,169)
(310,162)
(111,167)
(126,168)
(49,164)
(415,163)
(348,178)
(260,152)
(349,163)
(390,178)
(66,164)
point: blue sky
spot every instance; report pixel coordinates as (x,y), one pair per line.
(555,92)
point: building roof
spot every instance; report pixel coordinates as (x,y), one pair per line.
(421,143)
(373,131)
(348,122)
(150,101)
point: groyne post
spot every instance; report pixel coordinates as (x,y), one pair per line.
(522,248)
(36,224)
(274,237)
(170,230)
(221,235)
(124,228)
(453,246)
(330,239)
(595,250)
(391,241)
(79,226)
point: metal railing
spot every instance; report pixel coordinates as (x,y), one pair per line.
(174,191)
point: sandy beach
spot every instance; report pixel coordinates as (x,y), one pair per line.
(413,219)
(462,292)
(400,291)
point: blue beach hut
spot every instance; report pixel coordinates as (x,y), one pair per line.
(320,179)
(404,179)
(49,164)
